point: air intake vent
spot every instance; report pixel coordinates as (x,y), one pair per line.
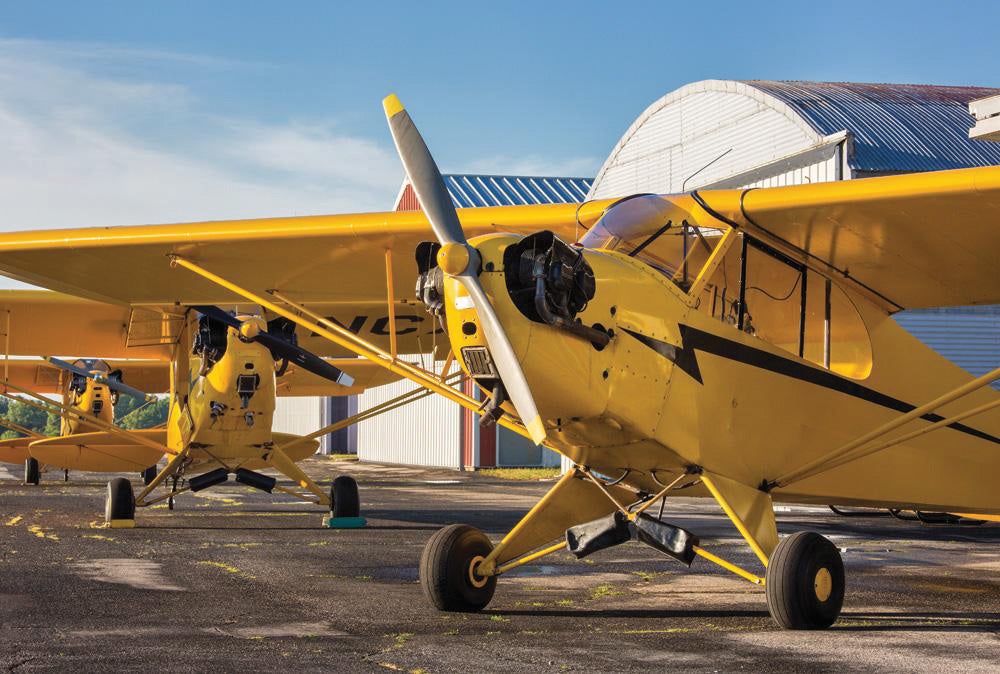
(479,362)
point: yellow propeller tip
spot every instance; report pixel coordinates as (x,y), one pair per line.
(536,430)
(393,106)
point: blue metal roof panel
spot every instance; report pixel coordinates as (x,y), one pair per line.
(469,191)
(896,127)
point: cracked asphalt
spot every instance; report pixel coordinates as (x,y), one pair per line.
(236,580)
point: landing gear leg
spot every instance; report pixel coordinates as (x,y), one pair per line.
(173,490)
(32,472)
(805,582)
(448,569)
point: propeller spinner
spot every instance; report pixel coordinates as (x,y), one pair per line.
(458,259)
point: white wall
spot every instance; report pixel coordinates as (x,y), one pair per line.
(300,416)
(667,148)
(426,432)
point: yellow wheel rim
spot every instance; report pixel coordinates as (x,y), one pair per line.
(476,580)
(823,584)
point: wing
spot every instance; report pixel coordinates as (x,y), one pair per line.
(43,323)
(917,240)
(323,259)
(336,265)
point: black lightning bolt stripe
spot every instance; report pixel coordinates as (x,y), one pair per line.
(693,339)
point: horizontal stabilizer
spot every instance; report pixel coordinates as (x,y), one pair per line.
(101,452)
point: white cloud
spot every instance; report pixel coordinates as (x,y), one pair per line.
(80,148)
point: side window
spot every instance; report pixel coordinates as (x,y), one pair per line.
(762,292)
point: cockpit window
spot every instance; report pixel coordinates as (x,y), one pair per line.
(655,231)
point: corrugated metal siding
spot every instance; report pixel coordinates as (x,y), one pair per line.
(425,433)
(474,191)
(896,127)
(967,336)
(300,416)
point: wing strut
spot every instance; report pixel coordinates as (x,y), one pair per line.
(344,338)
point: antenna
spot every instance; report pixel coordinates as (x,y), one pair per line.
(684,184)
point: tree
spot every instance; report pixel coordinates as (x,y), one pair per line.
(151,415)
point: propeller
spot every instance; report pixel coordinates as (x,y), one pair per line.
(278,346)
(111,383)
(458,259)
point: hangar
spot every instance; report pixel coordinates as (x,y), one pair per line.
(718,134)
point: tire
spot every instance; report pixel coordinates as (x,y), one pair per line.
(804,583)
(120,502)
(446,569)
(32,471)
(148,475)
(344,498)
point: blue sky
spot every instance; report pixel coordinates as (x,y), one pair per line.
(124,112)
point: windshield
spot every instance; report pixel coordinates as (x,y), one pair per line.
(658,232)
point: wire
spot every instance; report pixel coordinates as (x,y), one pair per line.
(779,299)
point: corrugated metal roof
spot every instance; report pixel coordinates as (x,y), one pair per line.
(967,336)
(470,191)
(896,127)
(473,191)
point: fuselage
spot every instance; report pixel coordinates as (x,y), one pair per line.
(681,385)
(223,410)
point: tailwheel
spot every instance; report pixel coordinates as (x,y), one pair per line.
(32,471)
(344,498)
(148,475)
(805,582)
(447,569)
(119,506)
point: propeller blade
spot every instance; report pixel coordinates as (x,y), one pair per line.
(424,174)
(218,314)
(304,359)
(460,258)
(113,384)
(281,348)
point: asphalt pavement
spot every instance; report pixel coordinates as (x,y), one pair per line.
(237,580)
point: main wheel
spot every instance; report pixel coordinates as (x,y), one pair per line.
(120,502)
(32,472)
(344,498)
(447,569)
(804,583)
(148,475)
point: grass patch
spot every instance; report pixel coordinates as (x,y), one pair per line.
(522,474)
(603,591)
(342,457)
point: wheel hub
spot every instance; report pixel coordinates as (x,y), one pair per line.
(823,584)
(475,579)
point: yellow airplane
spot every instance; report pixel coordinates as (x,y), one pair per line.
(735,344)
(90,389)
(222,374)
